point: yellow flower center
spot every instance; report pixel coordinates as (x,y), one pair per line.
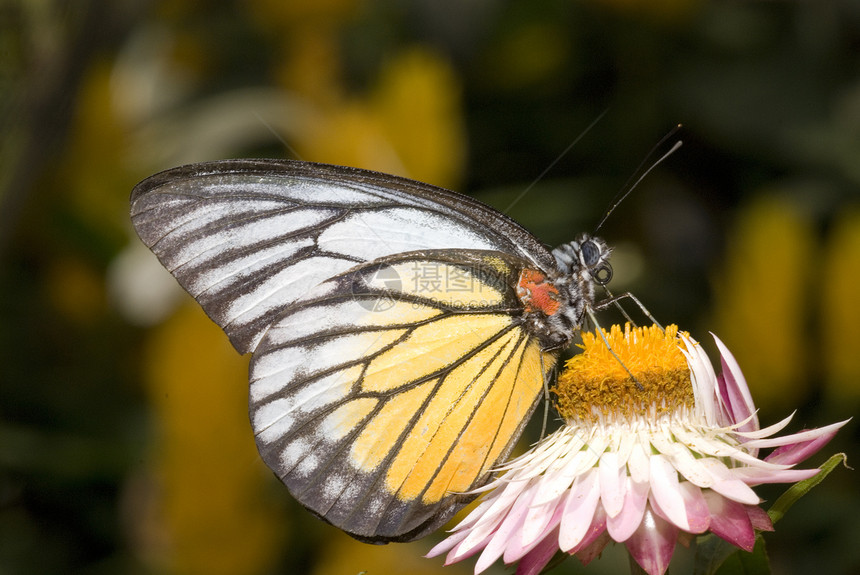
(595,383)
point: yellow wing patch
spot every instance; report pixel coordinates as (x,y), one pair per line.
(445,283)
(374,442)
(424,450)
(429,348)
(346,417)
(487,437)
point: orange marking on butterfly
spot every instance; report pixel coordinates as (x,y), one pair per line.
(536,293)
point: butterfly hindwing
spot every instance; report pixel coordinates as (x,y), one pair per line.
(381,401)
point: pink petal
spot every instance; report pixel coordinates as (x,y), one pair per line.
(588,553)
(665,490)
(484,521)
(622,526)
(579,510)
(734,389)
(446,544)
(759,518)
(519,546)
(792,454)
(494,508)
(505,532)
(652,545)
(538,558)
(698,516)
(596,531)
(751,476)
(465,549)
(730,521)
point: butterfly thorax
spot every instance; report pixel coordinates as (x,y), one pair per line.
(555,304)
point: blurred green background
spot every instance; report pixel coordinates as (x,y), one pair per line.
(124,441)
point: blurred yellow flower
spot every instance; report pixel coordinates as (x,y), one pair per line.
(409,125)
(211,502)
(345,555)
(75,290)
(92,176)
(762,299)
(840,308)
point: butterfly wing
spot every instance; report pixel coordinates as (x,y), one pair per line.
(377,396)
(379,404)
(247,238)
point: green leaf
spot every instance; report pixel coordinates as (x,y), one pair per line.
(801,488)
(715,556)
(742,563)
(711,553)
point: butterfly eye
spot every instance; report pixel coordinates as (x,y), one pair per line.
(590,253)
(603,274)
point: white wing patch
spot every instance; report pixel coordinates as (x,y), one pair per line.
(283,288)
(372,235)
(243,235)
(281,368)
(278,417)
(219,275)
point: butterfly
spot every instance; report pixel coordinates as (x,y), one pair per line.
(402,334)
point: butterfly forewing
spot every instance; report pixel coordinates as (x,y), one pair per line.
(392,368)
(247,238)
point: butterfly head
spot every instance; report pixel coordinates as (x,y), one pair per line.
(556,305)
(586,257)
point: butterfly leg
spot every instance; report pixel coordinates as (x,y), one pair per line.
(599,330)
(546,399)
(614,300)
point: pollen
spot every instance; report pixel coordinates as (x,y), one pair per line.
(648,373)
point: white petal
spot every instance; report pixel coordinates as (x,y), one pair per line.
(727,484)
(553,484)
(613,483)
(579,510)
(665,489)
(703,379)
(767,431)
(638,464)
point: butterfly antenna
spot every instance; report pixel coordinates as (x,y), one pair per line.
(277,135)
(631,183)
(555,161)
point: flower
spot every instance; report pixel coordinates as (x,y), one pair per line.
(656,448)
